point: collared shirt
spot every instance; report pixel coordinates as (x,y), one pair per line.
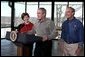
(72,31)
(45,27)
(25,27)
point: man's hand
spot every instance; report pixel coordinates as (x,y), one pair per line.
(78,51)
(61,46)
(44,38)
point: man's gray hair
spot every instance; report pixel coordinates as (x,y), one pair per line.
(43,10)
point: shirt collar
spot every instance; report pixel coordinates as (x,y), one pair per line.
(71,19)
(42,20)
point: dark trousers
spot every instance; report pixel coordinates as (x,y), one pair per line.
(30,46)
(27,50)
(43,48)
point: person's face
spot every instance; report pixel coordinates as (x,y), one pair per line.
(69,13)
(26,18)
(40,14)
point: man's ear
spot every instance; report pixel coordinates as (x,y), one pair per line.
(44,14)
(73,13)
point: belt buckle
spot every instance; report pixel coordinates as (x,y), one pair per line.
(72,42)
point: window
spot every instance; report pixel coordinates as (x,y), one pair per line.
(5,18)
(47,6)
(19,9)
(78,9)
(59,16)
(32,10)
(59,13)
(5,14)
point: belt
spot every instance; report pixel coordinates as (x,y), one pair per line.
(71,42)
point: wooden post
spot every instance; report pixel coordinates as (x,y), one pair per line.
(22,51)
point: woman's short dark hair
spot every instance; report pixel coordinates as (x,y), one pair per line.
(24,14)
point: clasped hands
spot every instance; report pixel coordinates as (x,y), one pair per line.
(44,38)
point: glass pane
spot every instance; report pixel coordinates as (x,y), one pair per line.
(5,14)
(59,16)
(47,6)
(19,9)
(4,31)
(59,13)
(78,3)
(78,9)
(32,10)
(5,18)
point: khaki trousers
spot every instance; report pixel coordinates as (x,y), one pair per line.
(69,49)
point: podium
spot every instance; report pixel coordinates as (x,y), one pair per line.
(24,42)
(23,50)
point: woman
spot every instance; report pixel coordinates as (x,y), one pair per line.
(26,27)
